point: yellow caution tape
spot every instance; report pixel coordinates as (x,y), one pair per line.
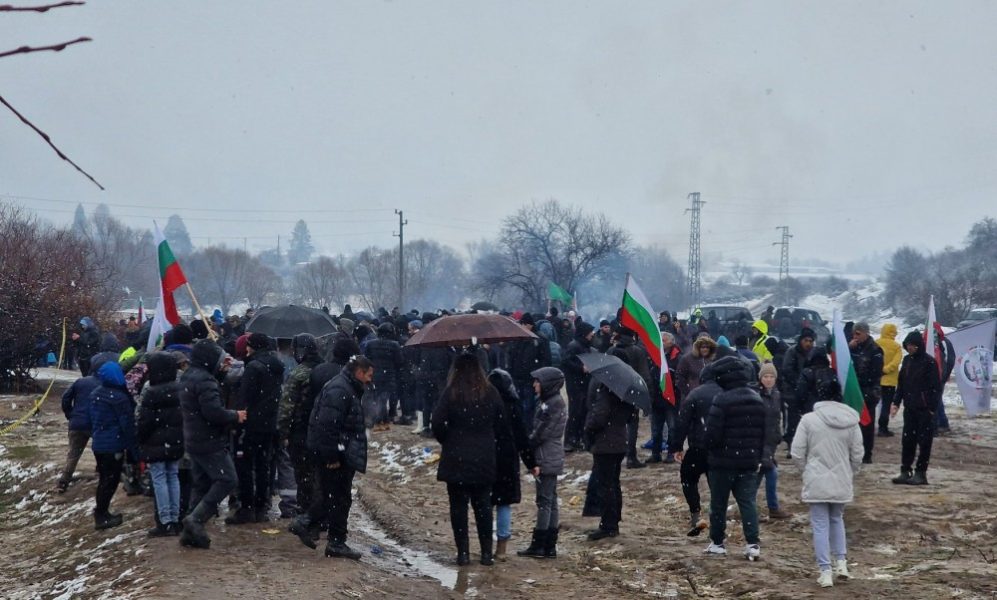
(39,401)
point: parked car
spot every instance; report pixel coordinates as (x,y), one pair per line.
(979,315)
(789,321)
(734,320)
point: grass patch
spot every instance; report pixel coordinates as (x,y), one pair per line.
(23,452)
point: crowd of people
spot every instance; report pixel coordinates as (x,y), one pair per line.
(217,412)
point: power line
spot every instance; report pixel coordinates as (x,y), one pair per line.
(193,208)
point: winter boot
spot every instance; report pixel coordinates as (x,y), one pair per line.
(500,549)
(193,534)
(904,478)
(919,478)
(550,545)
(487,557)
(655,458)
(841,568)
(635,463)
(106,521)
(669,459)
(240,517)
(696,526)
(160,530)
(826,579)
(601,533)
(463,550)
(537,544)
(302,527)
(337,548)
(778,513)
(262,515)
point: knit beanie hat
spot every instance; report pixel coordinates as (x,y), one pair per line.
(767,369)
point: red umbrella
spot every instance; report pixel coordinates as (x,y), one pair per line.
(466,330)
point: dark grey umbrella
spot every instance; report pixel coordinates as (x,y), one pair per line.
(289,321)
(619,377)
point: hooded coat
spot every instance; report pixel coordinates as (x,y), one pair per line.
(298,398)
(336,428)
(892,354)
(828,449)
(918,385)
(259,391)
(545,329)
(89,342)
(512,443)
(817,383)
(467,430)
(549,421)
(692,364)
(576,379)
(760,349)
(160,420)
(76,399)
(206,421)
(736,426)
(606,420)
(112,413)
(386,354)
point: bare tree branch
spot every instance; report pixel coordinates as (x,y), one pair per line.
(53,47)
(38,9)
(49,141)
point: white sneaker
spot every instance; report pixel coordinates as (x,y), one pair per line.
(717,549)
(825,579)
(841,569)
(752,552)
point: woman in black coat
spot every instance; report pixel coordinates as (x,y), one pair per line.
(467,422)
(160,438)
(512,444)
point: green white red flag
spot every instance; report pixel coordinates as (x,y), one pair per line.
(841,360)
(638,315)
(171,277)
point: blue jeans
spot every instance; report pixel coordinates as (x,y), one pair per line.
(166,485)
(503,521)
(771,479)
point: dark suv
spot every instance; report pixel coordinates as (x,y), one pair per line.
(789,321)
(734,320)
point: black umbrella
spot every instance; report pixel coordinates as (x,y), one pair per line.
(619,377)
(289,321)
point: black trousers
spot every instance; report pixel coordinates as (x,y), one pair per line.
(304,475)
(919,434)
(869,431)
(253,466)
(884,407)
(794,414)
(694,465)
(333,500)
(633,425)
(606,470)
(574,433)
(109,467)
(480,498)
(428,393)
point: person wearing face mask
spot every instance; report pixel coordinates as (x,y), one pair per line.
(338,440)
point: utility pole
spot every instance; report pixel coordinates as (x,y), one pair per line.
(402,222)
(693,279)
(784,262)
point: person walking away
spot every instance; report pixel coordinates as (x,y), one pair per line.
(828,449)
(338,439)
(773,436)
(259,394)
(512,444)
(662,411)
(606,427)
(467,421)
(867,358)
(87,343)
(206,426)
(691,424)
(160,438)
(918,389)
(735,435)
(547,442)
(792,366)
(295,408)
(892,354)
(576,382)
(627,350)
(112,418)
(386,354)
(76,407)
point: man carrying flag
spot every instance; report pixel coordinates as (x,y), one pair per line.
(918,388)
(867,360)
(841,360)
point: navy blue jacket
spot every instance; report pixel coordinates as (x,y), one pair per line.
(112,413)
(76,399)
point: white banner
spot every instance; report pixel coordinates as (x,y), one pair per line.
(974,361)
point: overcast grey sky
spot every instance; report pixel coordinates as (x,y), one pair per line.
(861,125)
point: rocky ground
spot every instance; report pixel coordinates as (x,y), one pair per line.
(916,542)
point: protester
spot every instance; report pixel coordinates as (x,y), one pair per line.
(160,438)
(604,337)
(87,343)
(735,435)
(576,382)
(526,356)
(892,354)
(386,354)
(919,390)
(466,423)
(627,350)
(692,363)
(663,411)
(112,419)
(773,436)
(792,366)
(76,407)
(759,335)
(547,443)
(295,409)
(867,359)
(828,449)
(606,427)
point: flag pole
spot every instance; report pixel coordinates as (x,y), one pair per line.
(211,331)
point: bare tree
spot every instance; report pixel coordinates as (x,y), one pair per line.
(322,282)
(374,276)
(262,282)
(435,274)
(548,242)
(219,275)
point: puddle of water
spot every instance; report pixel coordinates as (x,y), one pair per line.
(410,560)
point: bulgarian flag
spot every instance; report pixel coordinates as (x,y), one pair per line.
(171,277)
(932,335)
(638,315)
(841,360)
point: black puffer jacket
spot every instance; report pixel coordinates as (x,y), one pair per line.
(695,409)
(773,424)
(431,366)
(511,443)
(467,428)
(336,429)
(259,392)
(606,420)
(206,422)
(817,383)
(918,385)
(160,421)
(790,371)
(867,358)
(576,380)
(389,365)
(736,427)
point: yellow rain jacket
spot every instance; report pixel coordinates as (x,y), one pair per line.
(891,355)
(759,348)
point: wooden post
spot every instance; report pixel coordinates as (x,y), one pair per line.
(211,331)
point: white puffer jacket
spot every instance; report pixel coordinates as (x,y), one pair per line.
(828,449)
